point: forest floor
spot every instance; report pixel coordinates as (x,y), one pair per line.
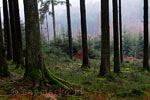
(131,84)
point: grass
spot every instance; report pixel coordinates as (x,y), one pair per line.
(131,84)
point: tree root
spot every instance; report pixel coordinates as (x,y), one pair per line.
(62,81)
(53,80)
(49,79)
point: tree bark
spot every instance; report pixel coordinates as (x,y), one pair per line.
(105,51)
(84,34)
(34,63)
(3,63)
(35,69)
(69,29)
(120,24)
(47,29)
(54,23)
(146,36)
(116,37)
(16,32)
(13,30)
(20,60)
(7,30)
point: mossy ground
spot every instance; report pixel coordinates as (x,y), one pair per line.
(131,84)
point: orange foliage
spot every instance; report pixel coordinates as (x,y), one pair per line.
(95,96)
(1,91)
(147,95)
(35,97)
(50,95)
(130,59)
(44,58)
(79,55)
(20,97)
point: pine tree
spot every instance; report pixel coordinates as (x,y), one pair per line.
(84,34)
(16,32)
(13,30)
(120,27)
(7,32)
(20,60)
(54,23)
(69,28)
(45,8)
(105,38)
(35,68)
(34,63)
(116,37)
(3,62)
(146,36)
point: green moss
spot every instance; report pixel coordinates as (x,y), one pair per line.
(34,74)
(53,80)
(63,81)
(19,66)
(85,67)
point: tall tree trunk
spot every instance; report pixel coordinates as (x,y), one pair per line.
(16,32)
(84,34)
(120,24)
(146,36)
(34,61)
(116,37)
(69,29)
(35,69)
(7,30)
(47,28)
(105,51)
(54,23)
(20,60)
(13,30)
(3,63)
(41,27)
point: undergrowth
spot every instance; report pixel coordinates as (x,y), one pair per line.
(132,84)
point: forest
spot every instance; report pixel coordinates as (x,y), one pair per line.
(36,64)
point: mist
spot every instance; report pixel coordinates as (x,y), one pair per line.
(132,13)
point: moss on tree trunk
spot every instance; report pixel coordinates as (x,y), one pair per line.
(35,69)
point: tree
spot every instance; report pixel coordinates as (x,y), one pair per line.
(35,69)
(146,36)
(127,44)
(120,26)
(140,45)
(105,38)
(34,63)
(53,15)
(16,32)
(7,32)
(45,8)
(20,60)
(3,63)
(69,28)
(47,28)
(116,37)
(13,29)
(84,34)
